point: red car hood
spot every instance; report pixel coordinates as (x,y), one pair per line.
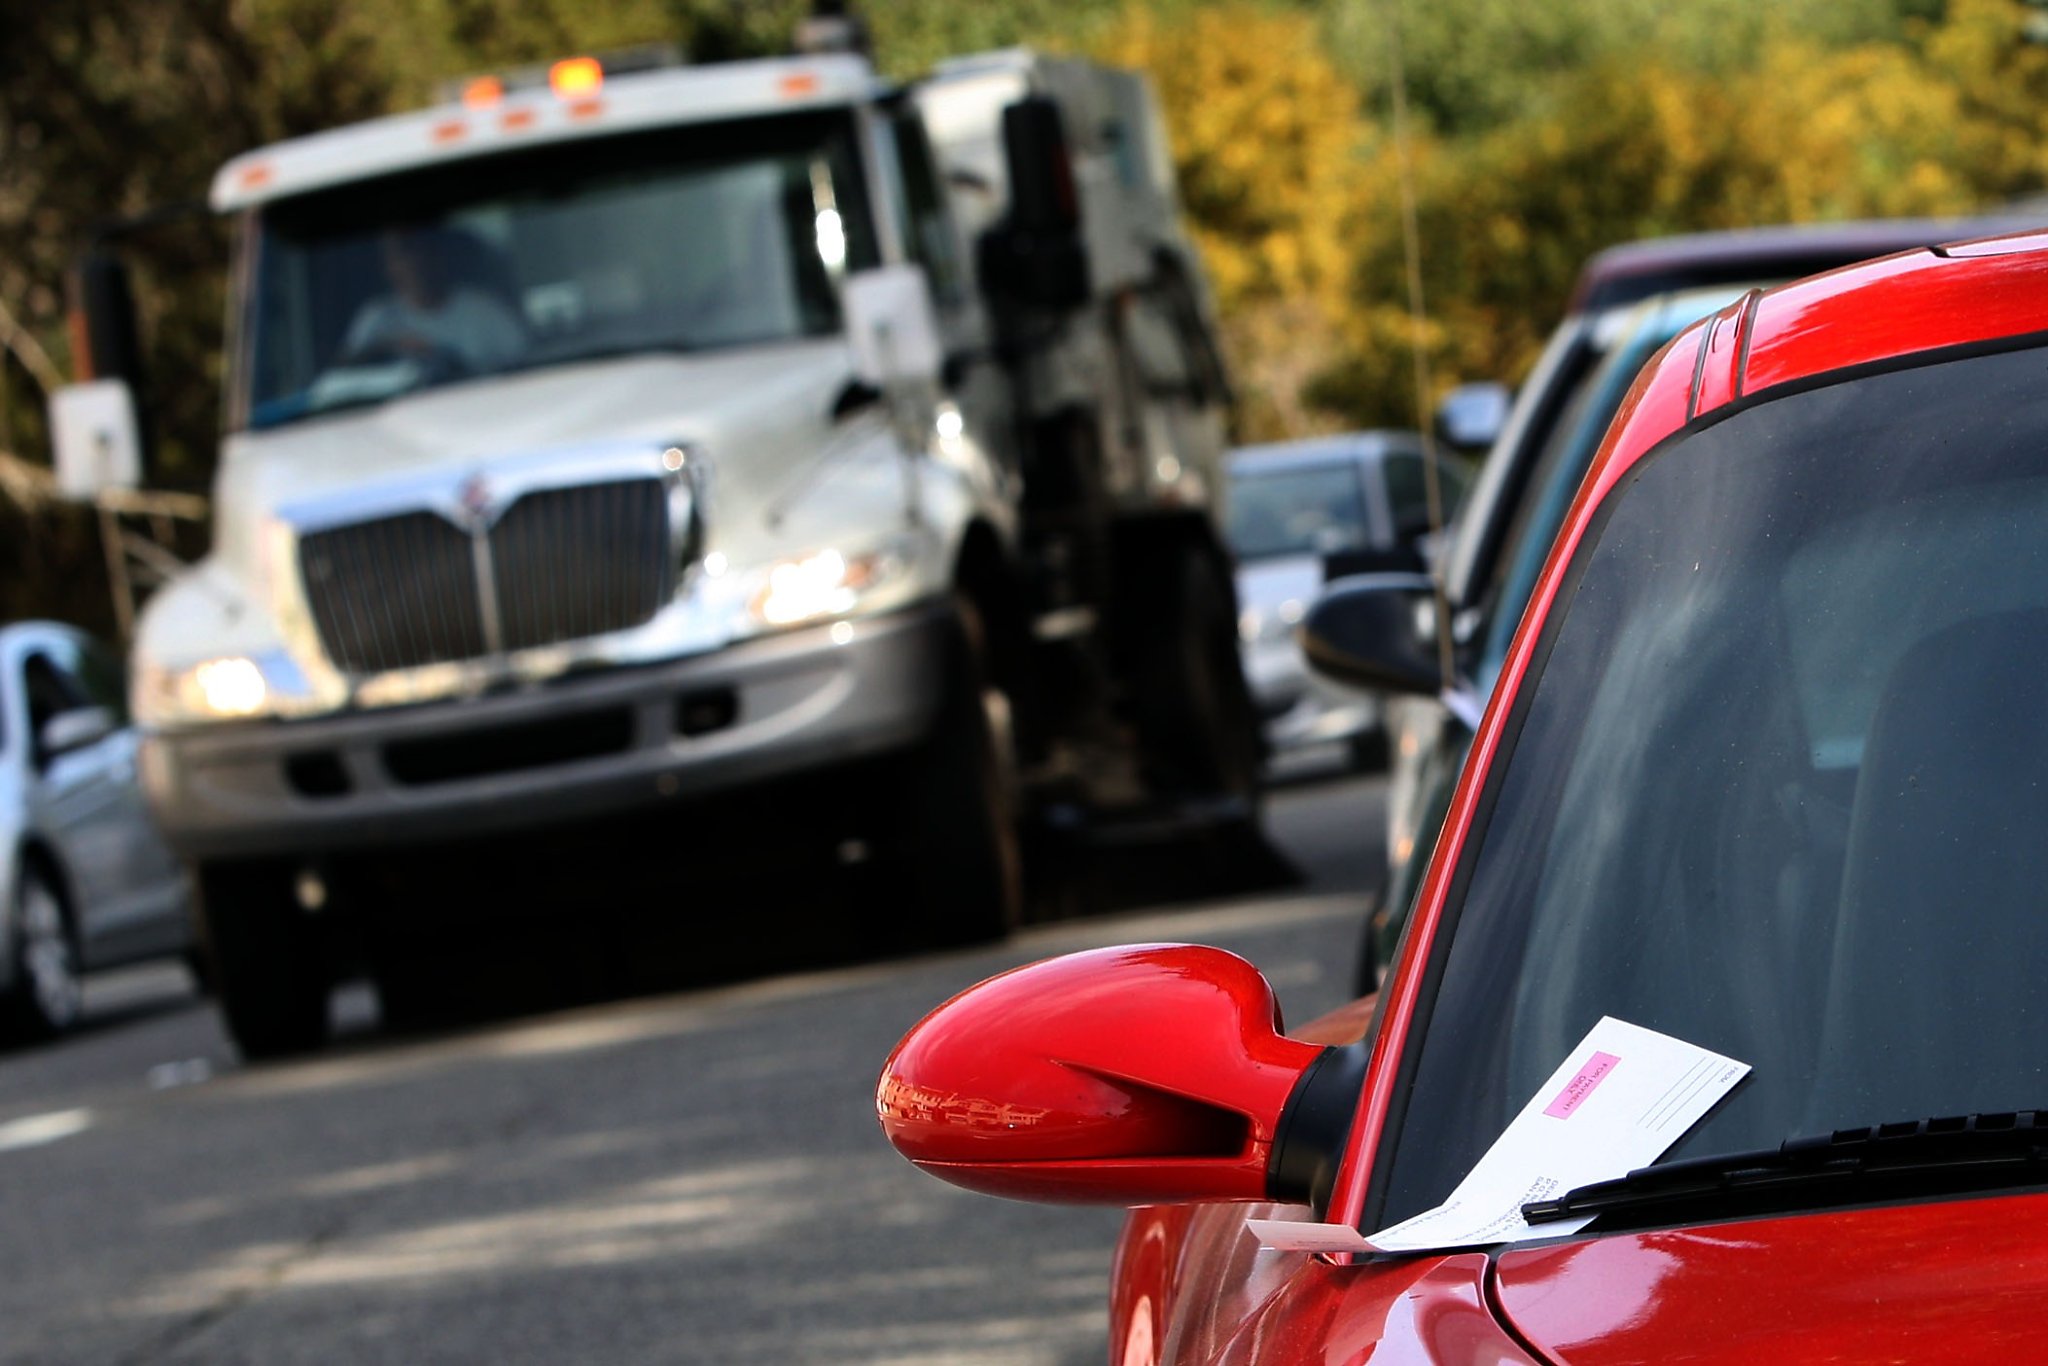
(1954,1281)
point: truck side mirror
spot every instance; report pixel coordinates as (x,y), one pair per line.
(1037,254)
(1043,196)
(893,328)
(96,438)
(96,425)
(106,341)
(1471,416)
(1370,631)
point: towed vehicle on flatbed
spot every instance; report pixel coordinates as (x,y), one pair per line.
(616,437)
(1761,775)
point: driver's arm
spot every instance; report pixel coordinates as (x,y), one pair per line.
(376,325)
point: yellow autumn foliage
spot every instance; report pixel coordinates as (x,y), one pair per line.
(1291,181)
(1268,141)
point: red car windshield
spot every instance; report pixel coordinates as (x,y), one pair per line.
(1780,787)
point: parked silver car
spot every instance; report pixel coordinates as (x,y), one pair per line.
(1300,512)
(86,881)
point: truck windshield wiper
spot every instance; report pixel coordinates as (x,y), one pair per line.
(1916,1157)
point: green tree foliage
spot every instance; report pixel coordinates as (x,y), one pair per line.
(1473,65)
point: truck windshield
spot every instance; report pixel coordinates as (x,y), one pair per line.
(1777,788)
(717,235)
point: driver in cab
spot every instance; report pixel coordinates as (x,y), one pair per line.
(430,316)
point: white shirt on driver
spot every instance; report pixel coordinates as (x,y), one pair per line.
(469,324)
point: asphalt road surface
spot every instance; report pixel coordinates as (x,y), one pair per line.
(693,1177)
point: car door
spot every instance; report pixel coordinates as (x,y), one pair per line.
(155,878)
(128,886)
(71,797)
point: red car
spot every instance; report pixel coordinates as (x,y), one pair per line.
(1766,773)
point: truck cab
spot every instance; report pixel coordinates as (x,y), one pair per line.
(610,438)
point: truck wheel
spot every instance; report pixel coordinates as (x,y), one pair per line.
(1196,720)
(960,856)
(47,996)
(268,971)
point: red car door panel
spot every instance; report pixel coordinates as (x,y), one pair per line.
(1192,1287)
(1414,1310)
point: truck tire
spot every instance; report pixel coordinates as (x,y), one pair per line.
(958,849)
(47,996)
(1197,725)
(411,994)
(269,973)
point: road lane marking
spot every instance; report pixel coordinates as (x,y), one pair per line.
(32,1131)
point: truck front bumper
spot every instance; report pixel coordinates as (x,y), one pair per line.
(575,747)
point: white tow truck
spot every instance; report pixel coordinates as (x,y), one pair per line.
(621,436)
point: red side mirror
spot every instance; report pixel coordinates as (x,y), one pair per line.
(1137,1075)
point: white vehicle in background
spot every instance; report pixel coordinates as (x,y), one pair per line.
(85,880)
(1302,512)
(615,436)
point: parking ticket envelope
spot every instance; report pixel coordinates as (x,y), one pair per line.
(1623,1097)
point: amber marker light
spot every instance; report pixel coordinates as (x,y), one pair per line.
(483,92)
(573,76)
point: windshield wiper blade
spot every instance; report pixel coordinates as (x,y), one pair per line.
(1959,1153)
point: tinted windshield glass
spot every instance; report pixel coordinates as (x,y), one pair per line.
(724,235)
(1779,787)
(1312,510)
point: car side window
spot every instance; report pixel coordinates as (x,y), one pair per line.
(50,690)
(97,676)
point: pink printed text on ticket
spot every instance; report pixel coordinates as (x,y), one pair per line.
(1579,1087)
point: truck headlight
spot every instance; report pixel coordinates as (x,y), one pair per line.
(825,583)
(233,687)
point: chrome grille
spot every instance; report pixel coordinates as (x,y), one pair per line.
(561,564)
(394,593)
(576,562)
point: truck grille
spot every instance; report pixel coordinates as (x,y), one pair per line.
(578,562)
(399,592)
(394,593)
